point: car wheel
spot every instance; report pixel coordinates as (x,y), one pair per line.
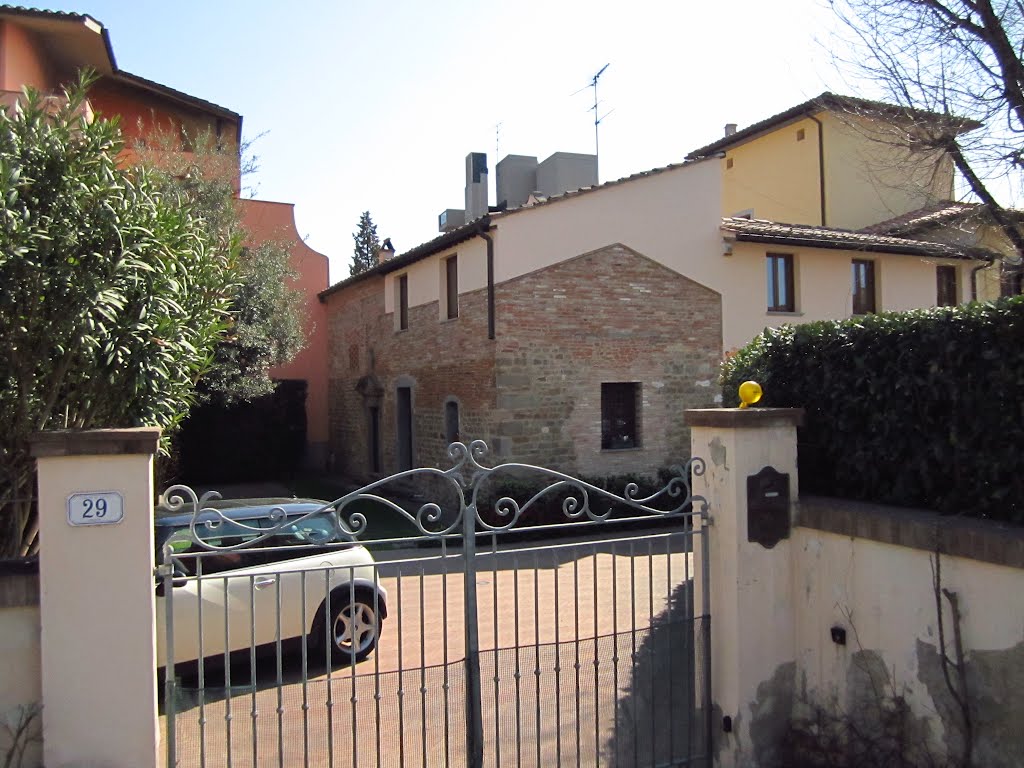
(353,626)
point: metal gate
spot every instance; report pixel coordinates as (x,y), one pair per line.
(507,616)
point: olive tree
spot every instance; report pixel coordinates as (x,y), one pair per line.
(113,293)
(265,311)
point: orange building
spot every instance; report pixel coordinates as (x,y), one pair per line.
(46,49)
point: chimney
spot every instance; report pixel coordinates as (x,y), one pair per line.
(730,129)
(476,185)
(386,251)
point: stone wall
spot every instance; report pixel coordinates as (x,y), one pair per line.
(612,315)
(534,393)
(439,360)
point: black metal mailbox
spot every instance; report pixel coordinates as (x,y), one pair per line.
(768,507)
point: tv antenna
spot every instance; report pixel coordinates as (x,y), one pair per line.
(598,117)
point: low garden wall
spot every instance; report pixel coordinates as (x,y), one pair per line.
(21,668)
(870,647)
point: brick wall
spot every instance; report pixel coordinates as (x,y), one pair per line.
(440,360)
(608,316)
(534,394)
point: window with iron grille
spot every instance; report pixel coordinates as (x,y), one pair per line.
(620,415)
(781,294)
(863,274)
(945,286)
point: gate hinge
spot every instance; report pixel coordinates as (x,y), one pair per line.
(164,570)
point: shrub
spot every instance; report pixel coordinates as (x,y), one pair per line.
(918,408)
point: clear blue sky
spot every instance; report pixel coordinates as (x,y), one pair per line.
(374,105)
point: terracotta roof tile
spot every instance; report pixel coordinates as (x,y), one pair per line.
(922,218)
(760,230)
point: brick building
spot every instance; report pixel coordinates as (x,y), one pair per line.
(590,360)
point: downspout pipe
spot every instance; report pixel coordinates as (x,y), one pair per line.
(483,226)
(974,276)
(821,165)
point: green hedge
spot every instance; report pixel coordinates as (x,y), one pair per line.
(921,408)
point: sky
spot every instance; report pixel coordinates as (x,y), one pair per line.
(375,105)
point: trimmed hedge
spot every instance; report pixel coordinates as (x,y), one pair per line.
(922,408)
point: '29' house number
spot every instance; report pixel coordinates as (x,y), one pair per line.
(101,508)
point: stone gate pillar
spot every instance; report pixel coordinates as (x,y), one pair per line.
(97,601)
(751,485)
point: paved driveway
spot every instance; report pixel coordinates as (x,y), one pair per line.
(561,630)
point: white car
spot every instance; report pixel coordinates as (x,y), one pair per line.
(307,578)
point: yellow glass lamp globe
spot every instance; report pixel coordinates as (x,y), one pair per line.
(750,393)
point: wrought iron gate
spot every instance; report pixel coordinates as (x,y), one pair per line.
(523,618)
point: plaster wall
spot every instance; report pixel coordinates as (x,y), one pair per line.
(269,221)
(774,176)
(426,277)
(870,178)
(867,179)
(21,670)
(22,61)
(823,286)
(883,595)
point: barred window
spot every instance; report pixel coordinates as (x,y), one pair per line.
(620,423)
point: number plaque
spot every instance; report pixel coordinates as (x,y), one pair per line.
(99,508)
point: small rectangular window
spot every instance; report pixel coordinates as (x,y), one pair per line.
(800,135)
(781,283)
(863,288)
(403,302)
(451,271)
(620,408)
(945,286)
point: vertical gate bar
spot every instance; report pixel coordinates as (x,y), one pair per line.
(691,632)
(705,568)
(423,674)
(227,675)
(597,670)
(202,665)
(446,684)
(280,672)
(376,656)
(518,673)
(328,639)
(252,669)
(536,645)
(615,652)
(401,670)
(632,640)
(474,715)
(558,665)
(651,635)
(576,641)
(305,672)
(354,697)
(669,542)
(169,671)
(497,676)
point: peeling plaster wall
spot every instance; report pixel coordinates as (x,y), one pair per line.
(883,595)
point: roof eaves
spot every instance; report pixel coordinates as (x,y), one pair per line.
(757,231)
(822,102)
(429,248)
(180,96)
